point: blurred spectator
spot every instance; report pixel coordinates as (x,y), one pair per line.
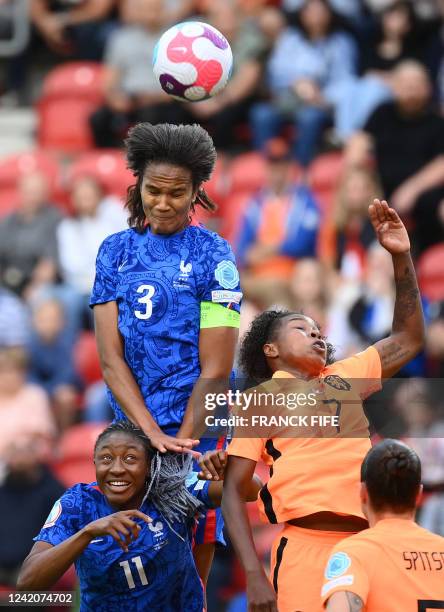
(362,313)
(27,494)
(280,225)
(51,363)
(414,401)
(348,234)
(230,108)
(14,320)
(131,88)
(74,28)
(28,247)
(395,39)
(96,216)
(407,138)
(305,73)
(435,340)
(309,290)
(25,413)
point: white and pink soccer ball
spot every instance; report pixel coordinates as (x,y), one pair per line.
(192,61)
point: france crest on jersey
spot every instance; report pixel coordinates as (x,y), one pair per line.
(159,283)
(157,572)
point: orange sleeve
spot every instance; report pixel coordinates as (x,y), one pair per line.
(364,367)
(250,448)
(345,572)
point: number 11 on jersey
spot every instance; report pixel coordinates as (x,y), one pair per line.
(128,574)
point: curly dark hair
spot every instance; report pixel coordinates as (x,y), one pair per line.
(188,146)
(263,329)
(392,472)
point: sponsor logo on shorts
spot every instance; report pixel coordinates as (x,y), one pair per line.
(226,296)
(337,565)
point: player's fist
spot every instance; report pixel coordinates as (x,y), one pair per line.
(119,525)
(260,594)
(212,465)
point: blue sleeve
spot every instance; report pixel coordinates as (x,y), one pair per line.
(199,488)
(302,226)
(219,278)
(64,519)
(107,262)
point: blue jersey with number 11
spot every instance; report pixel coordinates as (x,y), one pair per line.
(157,572)
(158,283)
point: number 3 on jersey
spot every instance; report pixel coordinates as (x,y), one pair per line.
(146,301)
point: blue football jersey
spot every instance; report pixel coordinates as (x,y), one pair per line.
(158,283)
(157,572)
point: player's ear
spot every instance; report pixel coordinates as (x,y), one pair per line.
(270,350)
(419,496)
(363,493)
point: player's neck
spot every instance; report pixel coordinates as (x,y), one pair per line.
(376,517)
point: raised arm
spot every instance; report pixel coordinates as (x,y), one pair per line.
(238,476)
(216,356)
(120,379)
(407,336)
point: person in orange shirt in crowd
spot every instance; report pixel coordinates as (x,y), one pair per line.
(280,226)
(395,565)
(313,488)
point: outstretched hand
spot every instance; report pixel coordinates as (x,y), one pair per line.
(389,228)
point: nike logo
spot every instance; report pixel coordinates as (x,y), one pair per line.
(98,540)
(120,268)
(183,49)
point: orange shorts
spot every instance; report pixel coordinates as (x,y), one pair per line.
(298,560)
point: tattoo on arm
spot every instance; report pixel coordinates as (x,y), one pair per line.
(407,297)
(392,352)
(354,602)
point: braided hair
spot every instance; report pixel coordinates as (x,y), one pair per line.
(187,146)
(264,329)
(166,488)
(391,471)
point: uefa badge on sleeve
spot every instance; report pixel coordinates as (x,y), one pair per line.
(226,274)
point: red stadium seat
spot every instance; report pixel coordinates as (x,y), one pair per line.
(86,358)
(217,186)
(234,208)
(15,166)
(71,92)
(75,79)
(77,442)
(247,173)
(325,171)
(108,167)
(76,449)
(431,273)
(71,472)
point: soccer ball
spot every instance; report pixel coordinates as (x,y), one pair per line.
(192,61)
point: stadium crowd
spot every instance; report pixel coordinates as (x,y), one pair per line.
(330,104)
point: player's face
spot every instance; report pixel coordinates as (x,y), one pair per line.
(299,346)
(167,193)
(121,470)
